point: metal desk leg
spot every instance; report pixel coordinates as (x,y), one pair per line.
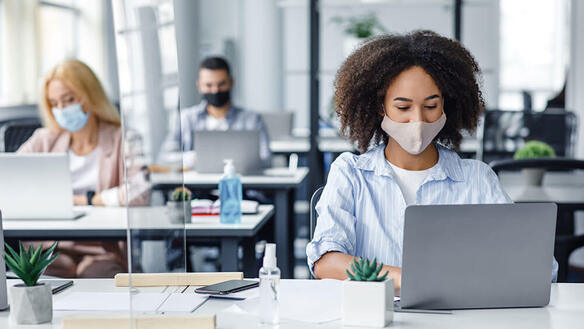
(250,265)
(228,255)
(284,235)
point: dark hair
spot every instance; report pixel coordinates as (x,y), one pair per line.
(363,79)
(215,63)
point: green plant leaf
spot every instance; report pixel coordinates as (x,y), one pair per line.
(12,252)
(35,256)
(351,276)
(383,277)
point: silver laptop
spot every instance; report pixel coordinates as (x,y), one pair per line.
(279,124)
(36,186)
(243,146)
(478,256)
(3,290)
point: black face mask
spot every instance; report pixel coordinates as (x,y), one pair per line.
(217,99)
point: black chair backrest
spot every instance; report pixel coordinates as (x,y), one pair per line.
(504,132)
(543,163)
(14,133)
(313,215)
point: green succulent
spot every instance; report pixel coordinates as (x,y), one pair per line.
(535,149)
(181,194)
(29,264)
(364,270)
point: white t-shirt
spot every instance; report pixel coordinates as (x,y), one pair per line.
(84,171)
(212,123)
(409,181)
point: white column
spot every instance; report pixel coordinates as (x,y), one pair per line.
(186,23)
(261,56)
(575,87)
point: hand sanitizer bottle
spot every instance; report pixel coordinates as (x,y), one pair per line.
(230,195)
(269,283)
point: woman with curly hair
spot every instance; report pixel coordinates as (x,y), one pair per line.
(404,99)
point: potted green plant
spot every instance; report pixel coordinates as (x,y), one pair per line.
(32,302)
(367,295)
(179,206)
(357,29)
(532,150)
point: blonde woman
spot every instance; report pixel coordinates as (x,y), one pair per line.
(79,120)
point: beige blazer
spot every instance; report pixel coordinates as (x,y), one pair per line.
(109,143)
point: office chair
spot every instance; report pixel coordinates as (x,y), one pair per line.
(313,214)
(566,241)
(14,133)
(502,133)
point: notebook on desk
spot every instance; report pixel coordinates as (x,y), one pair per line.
(36,186)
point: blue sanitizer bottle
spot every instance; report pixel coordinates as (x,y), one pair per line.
(230,195)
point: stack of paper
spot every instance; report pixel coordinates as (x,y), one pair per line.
(121,301)
(314,301)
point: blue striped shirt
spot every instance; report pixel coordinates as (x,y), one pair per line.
(361,210)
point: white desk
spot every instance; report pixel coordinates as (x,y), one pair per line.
(111,223)
(566,310)
(337,144)
(281,186)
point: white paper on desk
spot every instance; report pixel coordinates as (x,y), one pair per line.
(314,301)
(183,303)
(109,301)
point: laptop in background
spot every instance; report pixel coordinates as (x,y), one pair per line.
(279,124)
(243,146)
(36,186)
(478,256)
(3,289)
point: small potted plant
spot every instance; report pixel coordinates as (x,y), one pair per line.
(32,302)
(367,296)
(357,29)
(179,206)
(532,150)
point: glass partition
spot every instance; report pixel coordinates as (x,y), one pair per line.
(148,74)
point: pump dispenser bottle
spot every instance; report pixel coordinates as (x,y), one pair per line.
(230,195)
(269,285)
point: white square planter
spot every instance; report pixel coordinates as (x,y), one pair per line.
(367,303)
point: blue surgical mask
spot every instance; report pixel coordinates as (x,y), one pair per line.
(71,118)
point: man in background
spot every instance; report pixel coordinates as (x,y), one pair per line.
(215,112)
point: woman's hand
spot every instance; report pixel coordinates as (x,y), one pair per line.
(80,199)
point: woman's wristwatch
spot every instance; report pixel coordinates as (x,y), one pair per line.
(90,195)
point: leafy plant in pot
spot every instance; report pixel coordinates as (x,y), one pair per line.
(357,29)
(31,302)
(367,295)
(533,150)
(179,206)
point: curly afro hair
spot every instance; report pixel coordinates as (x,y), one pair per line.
(363,79)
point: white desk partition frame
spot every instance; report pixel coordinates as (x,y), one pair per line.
(566,310)
(282,187)
(103,223)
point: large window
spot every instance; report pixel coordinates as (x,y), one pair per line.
(534,51)
(36,35)
(58,37)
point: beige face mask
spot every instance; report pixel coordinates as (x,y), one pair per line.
(413,137)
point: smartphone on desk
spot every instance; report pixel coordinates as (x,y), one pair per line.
(227,287)
(58,285)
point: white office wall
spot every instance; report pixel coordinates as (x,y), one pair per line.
(480,34)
